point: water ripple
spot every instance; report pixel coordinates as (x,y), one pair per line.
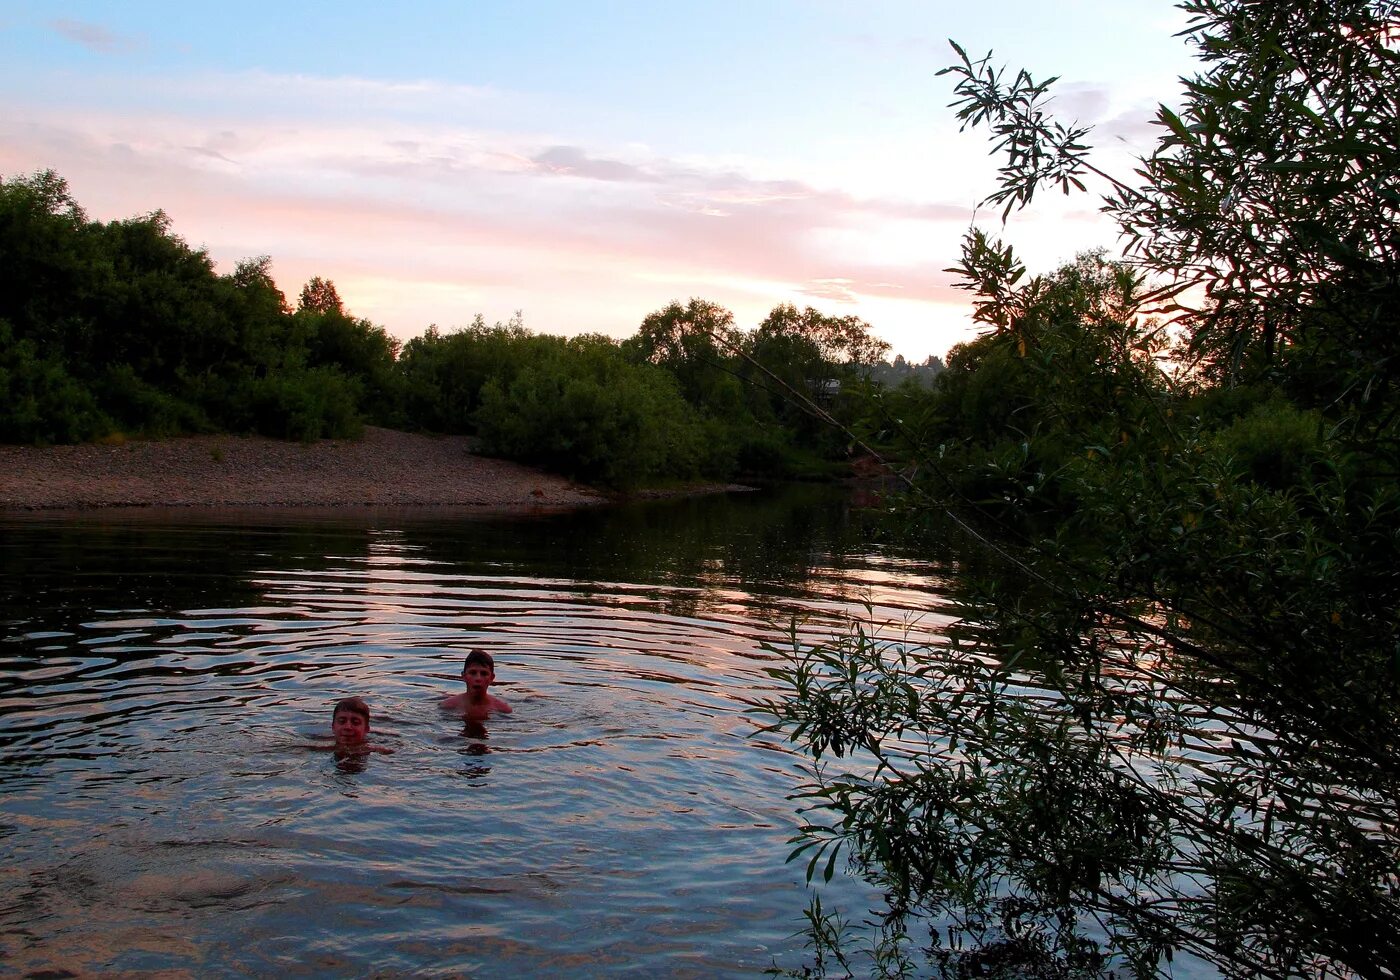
(160,686)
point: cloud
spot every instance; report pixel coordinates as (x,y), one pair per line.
(571,161)
(1135,126)
(833,289)
(490,216)
(725,193)
(850,291)
(1080,101)
(95,37)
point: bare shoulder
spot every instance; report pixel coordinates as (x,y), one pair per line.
(499,705)
(453,702)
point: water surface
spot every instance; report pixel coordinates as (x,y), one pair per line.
(160,674)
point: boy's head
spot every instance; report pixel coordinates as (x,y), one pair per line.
(350,720)
(478,670)
(480,657)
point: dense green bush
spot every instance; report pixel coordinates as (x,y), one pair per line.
(42,402)
(586,410)
(1277,444)
(444,374)
(304,404)
(154,411)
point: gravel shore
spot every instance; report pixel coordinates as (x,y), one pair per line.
(383,468)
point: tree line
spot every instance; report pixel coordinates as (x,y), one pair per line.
(122,328)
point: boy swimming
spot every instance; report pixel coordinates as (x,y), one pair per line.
(350,726)
(476,702)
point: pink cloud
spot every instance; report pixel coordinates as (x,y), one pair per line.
(482,215)
(570,161)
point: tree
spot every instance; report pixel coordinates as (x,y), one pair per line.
(584,409)
(1272,194)
(1210,617)
(320,296)
(357,348)
(694,342)
(445,373)
(837,340)
(800,356)
(47,252)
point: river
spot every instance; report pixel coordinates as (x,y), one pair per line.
(163,672)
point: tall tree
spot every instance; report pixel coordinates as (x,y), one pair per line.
(320,296)
(1211,614)
(694,342)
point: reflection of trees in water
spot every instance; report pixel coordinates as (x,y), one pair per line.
(57,572)
(701,546)
(80,595)
(141,607)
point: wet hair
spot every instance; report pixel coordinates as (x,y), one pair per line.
(355,706)
(479,657)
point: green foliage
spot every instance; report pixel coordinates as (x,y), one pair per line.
(694,343)
(583,408)
(124,325)
(305,404)
(320,296)
(1275,445)
(445,374)
(827,340)
(1071,373)
(159,412)
(43,403)
(1273,192)
(801,368)
(767,395)
(358,350)
(1169,720)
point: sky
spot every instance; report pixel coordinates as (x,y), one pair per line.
(582,162)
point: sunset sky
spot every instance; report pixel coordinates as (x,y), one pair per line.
(583,162)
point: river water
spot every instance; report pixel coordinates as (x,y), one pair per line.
(162,674)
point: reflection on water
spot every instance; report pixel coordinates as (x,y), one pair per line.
(159,672)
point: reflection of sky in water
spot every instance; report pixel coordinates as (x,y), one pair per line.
(157,683)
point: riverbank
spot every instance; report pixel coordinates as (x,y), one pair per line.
(384,468)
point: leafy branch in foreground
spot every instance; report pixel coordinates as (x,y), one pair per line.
(1266,217)
(1080,816)
(1170,722)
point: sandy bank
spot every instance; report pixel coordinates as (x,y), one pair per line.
(384,468)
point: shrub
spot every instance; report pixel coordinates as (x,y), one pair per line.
(586,411)
(143,407)
(1274,445)
(42,402)
(305,404)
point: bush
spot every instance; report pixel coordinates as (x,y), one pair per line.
(1275,444)
(586,411)
(306,404)
(145,408)
(42,402)
(443,375)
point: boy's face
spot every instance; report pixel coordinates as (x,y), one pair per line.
(349,727)
(478,678)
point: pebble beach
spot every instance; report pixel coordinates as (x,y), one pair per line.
(383,468)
